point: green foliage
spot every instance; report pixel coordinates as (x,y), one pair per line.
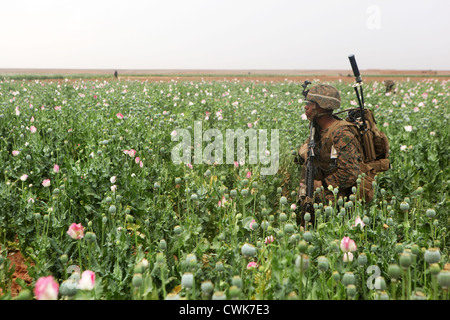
(86,126)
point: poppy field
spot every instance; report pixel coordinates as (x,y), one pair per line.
(91,196)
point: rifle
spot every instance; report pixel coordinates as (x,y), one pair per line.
(310,169)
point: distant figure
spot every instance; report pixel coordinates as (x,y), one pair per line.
(389,85)
(116,74)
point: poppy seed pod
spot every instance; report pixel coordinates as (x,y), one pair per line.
(415,249)
(160,258)
(366,220)
(404,206)
(236,281)
(390,222)
(219,266)
(187,280)
(302,261)
(307,216)
(289,228)
(137,280)
(336,276)
(394,272)
(207,287)
(191,259)
(443,279)
(302,246)
(90,237)
(348,278)
(219,295)
(434,269)
(292,296)
(432,255)
(283,200)
(405,260)
(380,283)
(351,290)
(362,259)
(68,288)
(431,213)
(382,295)
(307,236)
(323,263)
(177,230)
(399,248)
(418,295)
(234,291)
(248,250)
(162,244)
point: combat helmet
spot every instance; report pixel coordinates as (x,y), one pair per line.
(326,96)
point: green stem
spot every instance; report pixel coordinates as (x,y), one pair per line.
(79,254)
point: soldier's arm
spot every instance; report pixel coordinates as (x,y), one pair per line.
(348,160)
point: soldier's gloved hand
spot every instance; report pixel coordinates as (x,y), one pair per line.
(303,152)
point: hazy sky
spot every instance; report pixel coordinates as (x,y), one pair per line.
(230,34)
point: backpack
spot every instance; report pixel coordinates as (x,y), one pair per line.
(374,146)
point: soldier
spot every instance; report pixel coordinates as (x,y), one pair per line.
(338,150)
(116,74)
(389,85)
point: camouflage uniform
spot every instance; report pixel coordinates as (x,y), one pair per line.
(338,151)
(338,161)
(389,85)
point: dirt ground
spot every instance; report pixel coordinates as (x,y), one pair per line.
(235,75)
(20,271)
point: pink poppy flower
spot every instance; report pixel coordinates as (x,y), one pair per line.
(137,159)
(132,153)
(56,168)
(15,153)
(119,115)
(359,222)
(46,288)
(87,281)
(249,174)
(76,231)
(46,183)
(33,129)
(348,245)
(269,239)
(252,264)
(141,164)
(348,257)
